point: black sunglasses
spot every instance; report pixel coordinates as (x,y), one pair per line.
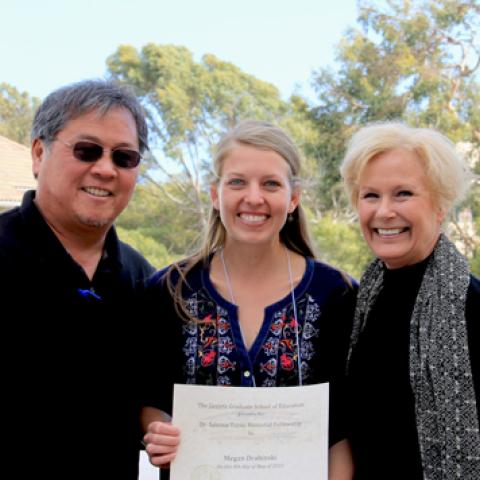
(91,152)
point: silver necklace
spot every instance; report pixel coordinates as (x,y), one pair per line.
(294,305)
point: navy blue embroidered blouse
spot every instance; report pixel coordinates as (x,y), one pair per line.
(212,351)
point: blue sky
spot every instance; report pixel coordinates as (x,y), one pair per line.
(47,43)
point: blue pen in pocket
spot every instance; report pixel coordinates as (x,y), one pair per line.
(89,294)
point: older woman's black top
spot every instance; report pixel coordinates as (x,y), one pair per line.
(384,435)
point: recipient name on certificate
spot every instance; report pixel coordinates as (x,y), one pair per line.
(228,433)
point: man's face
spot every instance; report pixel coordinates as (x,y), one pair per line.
(76,196)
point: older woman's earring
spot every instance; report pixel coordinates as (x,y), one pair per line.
(290,218)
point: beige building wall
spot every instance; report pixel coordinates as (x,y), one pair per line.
(15,173)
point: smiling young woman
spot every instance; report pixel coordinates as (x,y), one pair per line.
(252,307)
(253,196)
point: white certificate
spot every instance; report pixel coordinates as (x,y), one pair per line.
(238,433)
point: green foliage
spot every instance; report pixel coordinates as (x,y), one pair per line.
(415,61)
(189,104)
(154,252)
(153,214)
(475,264)
(475,260)
(16,113)
(341,244)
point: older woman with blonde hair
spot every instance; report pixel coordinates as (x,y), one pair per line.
(252,307)
(414,369)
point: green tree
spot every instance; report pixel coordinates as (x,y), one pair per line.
(341,244)
(152,214)
(416,61)
(189,104)
(475,259)
(16,113)
(411,61)
(156,253)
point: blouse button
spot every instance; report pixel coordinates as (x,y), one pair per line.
(246,373)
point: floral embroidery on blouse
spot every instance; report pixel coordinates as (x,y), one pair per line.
(212,357)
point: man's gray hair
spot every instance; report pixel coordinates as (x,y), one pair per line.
(72,101)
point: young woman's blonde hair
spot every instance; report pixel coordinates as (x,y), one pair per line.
(448,176)
(294,234)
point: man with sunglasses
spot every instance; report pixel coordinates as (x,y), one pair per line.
(70,380)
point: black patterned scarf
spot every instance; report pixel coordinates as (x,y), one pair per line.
(440,370)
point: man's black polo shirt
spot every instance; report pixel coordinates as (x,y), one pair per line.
(70,354)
